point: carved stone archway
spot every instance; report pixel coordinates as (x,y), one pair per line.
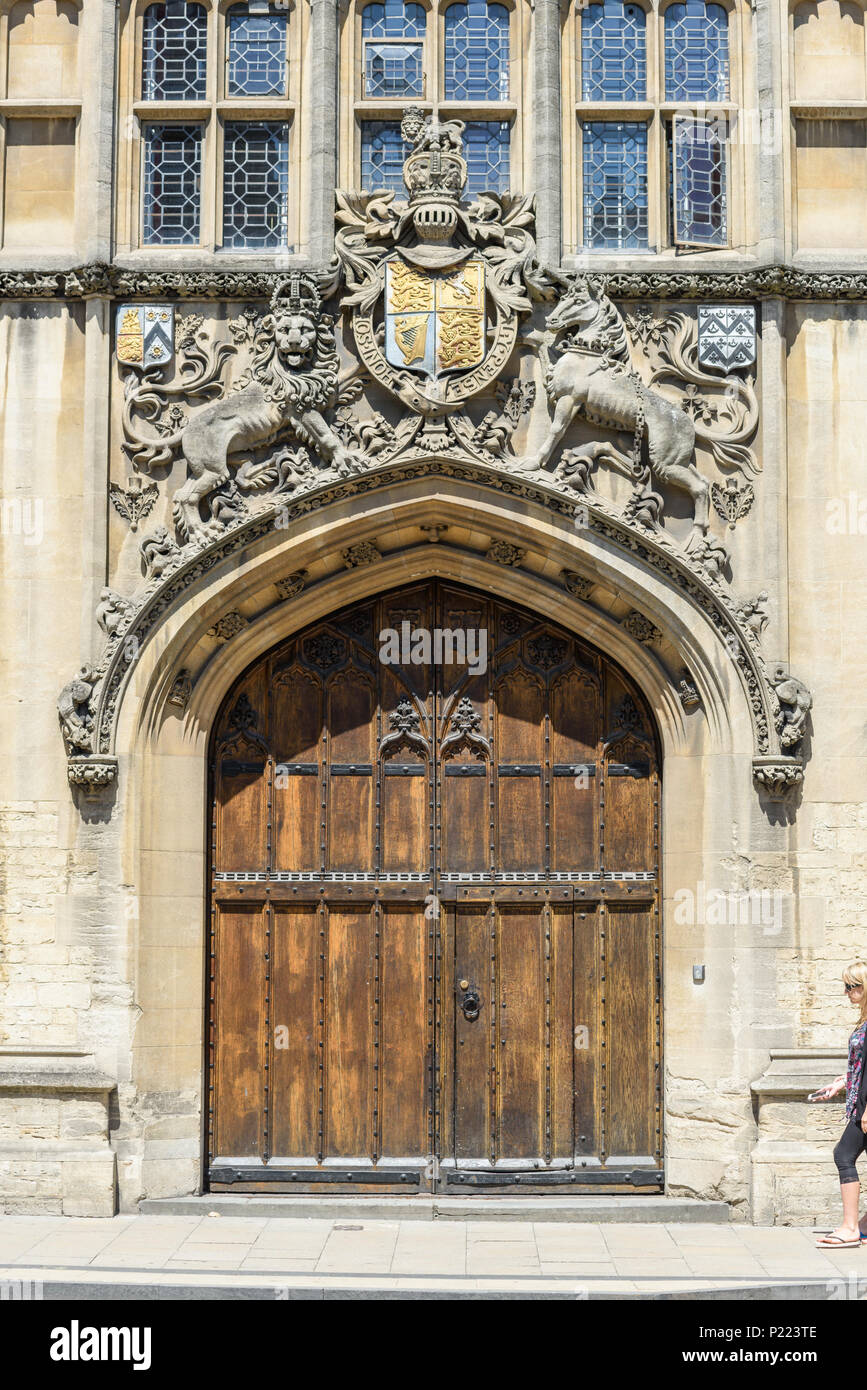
(445,526)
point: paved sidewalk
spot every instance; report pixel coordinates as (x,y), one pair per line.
(218,1257)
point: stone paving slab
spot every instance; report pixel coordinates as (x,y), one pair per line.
(179,1257)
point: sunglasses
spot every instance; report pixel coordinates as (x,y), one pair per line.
(849,988)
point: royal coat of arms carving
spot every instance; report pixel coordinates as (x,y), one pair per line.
(435,287)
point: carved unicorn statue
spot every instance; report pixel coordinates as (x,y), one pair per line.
(593,377)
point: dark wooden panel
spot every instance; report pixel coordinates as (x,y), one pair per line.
(297,725)
(562,1043)
(405,835)
(239,1031)
(586,1033)
(629,797)
(575,798)
(465,813)
(628,995)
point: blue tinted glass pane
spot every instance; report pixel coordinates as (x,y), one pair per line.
(255,184)
(382,155)
(477,52)
(699,183)
(257,54)
(174,53)
(393,20)
(613,56)
(486,150)
(172,184)
(696,52)
(615,185)
(392,69)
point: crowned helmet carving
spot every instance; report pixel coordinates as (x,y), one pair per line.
(435,173)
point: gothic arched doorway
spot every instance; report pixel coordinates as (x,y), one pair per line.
(435,956)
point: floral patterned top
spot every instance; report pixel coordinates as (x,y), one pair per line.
(854,1069)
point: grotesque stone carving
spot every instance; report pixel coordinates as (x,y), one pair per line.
(795,704)
(160,553)
(753,614)
(114,613)
(75,712)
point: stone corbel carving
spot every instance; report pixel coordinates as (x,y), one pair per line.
(92,774)
(778,776)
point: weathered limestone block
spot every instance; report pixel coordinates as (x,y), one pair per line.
(55,1155)
(793,1178)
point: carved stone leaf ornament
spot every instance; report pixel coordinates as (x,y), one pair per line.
(135,501)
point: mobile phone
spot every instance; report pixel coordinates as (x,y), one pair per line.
(815,1095)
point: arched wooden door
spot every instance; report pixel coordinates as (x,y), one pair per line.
(434,911)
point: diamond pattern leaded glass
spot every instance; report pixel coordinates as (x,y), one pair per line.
(255,184)
(172,185)
(699,183)
(486,150)
(615,186)
(256,54)
(613,52)
(696,52)
(382,155)
(175,52)
(392,68)
(477,52)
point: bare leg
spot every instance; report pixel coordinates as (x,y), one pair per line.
(849,1228)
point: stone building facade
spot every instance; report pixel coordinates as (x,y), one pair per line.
(238,398)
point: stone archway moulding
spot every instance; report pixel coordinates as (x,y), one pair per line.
(694,620)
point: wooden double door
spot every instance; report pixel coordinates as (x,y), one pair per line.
(434,958)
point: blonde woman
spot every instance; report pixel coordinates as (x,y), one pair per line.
(853,1141)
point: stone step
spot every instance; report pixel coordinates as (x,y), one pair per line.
(605,1210)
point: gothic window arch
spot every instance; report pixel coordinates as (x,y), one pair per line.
(209,110)
(460,57)
(654,149)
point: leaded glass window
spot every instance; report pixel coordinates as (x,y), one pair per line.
(696,52)
(613,52)
(175,52)
(393,39)
(476,52)
(255,184)
(615,185)
(699,182)
(172,185)
(486,150)
(256,54)
(382,154)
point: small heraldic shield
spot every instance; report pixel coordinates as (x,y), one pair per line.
(435,320)
(726,335)
(145,334)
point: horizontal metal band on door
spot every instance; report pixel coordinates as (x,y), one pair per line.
(633,1177)
(378,1176)
(311,876)
(556,876)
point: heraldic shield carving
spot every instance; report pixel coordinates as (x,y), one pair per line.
(435,289)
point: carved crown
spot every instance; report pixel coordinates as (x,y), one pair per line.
(435,172)
(297,294)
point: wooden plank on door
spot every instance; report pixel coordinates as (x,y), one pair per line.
(296,1011)
(349,1031)
(405,1052)
(629,1008)
(239,1030)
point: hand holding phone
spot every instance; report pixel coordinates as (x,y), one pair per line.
(823,1093)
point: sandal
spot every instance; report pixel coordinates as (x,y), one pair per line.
(838,1243)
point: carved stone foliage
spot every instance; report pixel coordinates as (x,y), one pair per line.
(504,553)
(227,627)
(363,553)
(135,501)
(641,628)
(731,502)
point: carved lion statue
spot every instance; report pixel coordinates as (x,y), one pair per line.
(292,379)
